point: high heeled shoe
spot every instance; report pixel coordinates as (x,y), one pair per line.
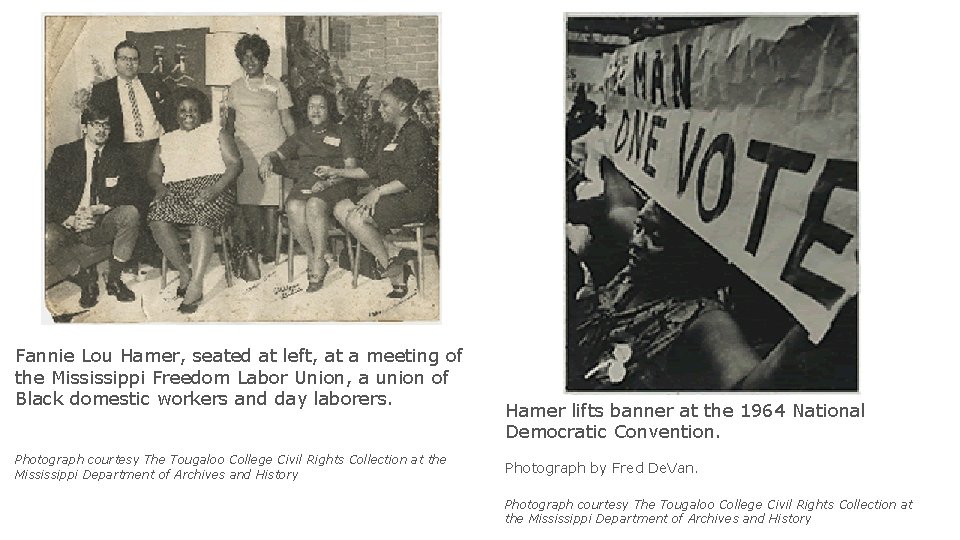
(190,307)
(399,272)
(315,280)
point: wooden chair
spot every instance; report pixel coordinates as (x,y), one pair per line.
(223,236)
(283,224)
(419,236)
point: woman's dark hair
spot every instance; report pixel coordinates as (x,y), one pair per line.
(333,114)
(255,44)
(404,90)
(203,103)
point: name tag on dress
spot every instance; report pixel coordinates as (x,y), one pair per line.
(390,147)
(332,141)
(111,181)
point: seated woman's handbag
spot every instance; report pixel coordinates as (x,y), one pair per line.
(246,266)
(367,266)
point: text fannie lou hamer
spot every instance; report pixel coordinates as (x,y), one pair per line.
(126,355)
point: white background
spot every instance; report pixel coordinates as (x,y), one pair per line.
(502,70)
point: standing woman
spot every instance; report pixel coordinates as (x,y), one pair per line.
(406,191)
(192,173)
(317,149)
(260,115)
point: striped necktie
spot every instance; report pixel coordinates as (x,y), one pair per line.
(137,121)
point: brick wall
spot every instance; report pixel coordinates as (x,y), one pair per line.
(385,47)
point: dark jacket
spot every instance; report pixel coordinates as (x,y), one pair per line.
(67,173)
(105,97)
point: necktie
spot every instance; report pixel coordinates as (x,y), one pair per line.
(95,179)
(137,122)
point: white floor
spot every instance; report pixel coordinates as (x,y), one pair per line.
(271,298)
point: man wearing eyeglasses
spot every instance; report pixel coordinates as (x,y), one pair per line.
(137,105)
(88,203)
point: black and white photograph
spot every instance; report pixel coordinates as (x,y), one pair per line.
(712,203)
(242,168)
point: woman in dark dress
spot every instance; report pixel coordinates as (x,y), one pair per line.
(406,190)
(317,150)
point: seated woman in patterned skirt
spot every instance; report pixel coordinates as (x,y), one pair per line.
(317,149)
(193,173)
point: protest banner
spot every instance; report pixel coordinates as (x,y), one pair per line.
(746,131)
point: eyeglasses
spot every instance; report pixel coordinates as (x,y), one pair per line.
(128,59)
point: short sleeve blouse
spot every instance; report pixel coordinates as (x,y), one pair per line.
(191,154)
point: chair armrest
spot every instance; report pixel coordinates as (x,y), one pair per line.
(284,169)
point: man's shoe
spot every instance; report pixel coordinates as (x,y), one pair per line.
(121,291)
(89,294)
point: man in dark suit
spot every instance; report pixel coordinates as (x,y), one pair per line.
(137,105)
(88,202)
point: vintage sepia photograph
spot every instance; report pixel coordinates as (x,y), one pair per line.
(712,203)
(242,168)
